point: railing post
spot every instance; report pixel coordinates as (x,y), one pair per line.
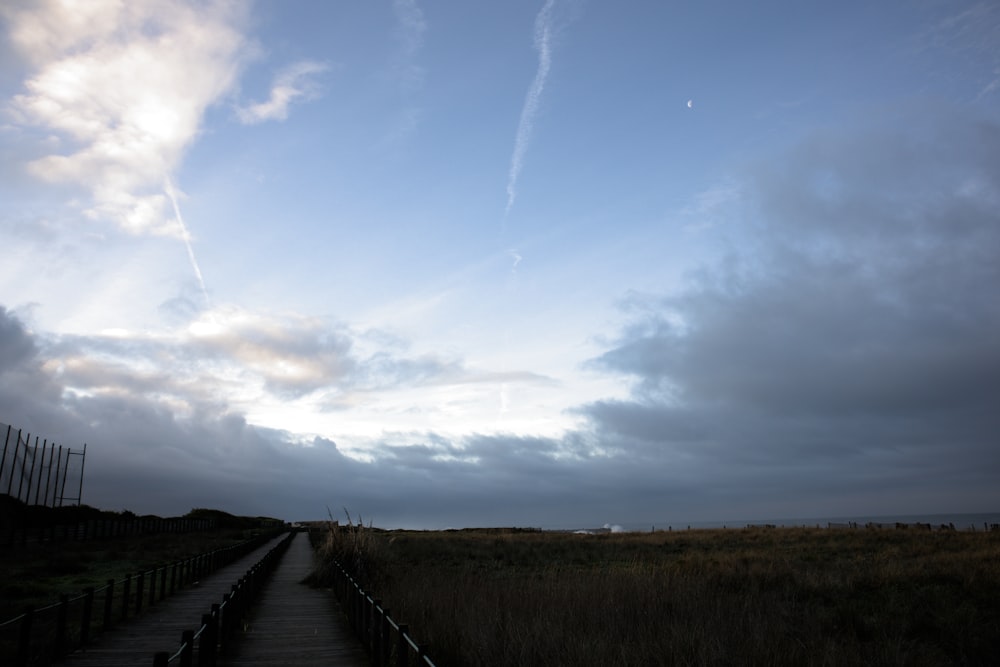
(227,611)
(140,578)
(163,582)
(206,643)
(152,587)
(213,631)
(109,598)
(402,649)
(60,642)
(24,641)
(88,609)
(376,633)
(386,644)
(173,578)
(187,648)
(125,591)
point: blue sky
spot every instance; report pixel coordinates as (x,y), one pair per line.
(551,263)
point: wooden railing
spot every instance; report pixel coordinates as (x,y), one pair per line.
(215,635)
(389,643)
(39,636)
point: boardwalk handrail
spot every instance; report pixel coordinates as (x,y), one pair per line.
(52,631)
(373,625)
(217,627)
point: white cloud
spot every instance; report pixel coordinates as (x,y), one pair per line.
(124,86)
(292,83)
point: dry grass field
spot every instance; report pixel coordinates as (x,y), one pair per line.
(781,596)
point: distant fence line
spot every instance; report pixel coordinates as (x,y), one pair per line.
(38,474)
(94,529)
(874,525)
(41,636)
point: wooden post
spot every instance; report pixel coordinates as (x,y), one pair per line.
(24,640)
(125,591)
(152,587)
(187,648)
(163,582)
(213,632)
(60,641)
(402,650)
(173,578)
(376,635)
(88,610)
(227,612)
(140,580)
(109,596)
(206,643)
(386,646)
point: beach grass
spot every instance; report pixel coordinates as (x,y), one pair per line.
(781,596)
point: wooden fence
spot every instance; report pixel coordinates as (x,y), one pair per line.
(94,529)
(389,643)
(39,636)
(203,646)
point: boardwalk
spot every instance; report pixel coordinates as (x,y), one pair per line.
(160,627)
(293,624)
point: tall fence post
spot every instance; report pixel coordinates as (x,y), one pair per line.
(3,460)
(31,473)
(41,467)
(24,463)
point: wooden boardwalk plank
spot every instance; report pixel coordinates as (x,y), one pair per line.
(293,624)
(159,628)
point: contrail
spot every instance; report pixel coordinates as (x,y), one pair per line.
(543,29)
(168,187)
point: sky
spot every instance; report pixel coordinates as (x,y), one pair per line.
(553,263)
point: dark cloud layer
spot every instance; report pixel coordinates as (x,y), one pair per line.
(846,360)
(857,347)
